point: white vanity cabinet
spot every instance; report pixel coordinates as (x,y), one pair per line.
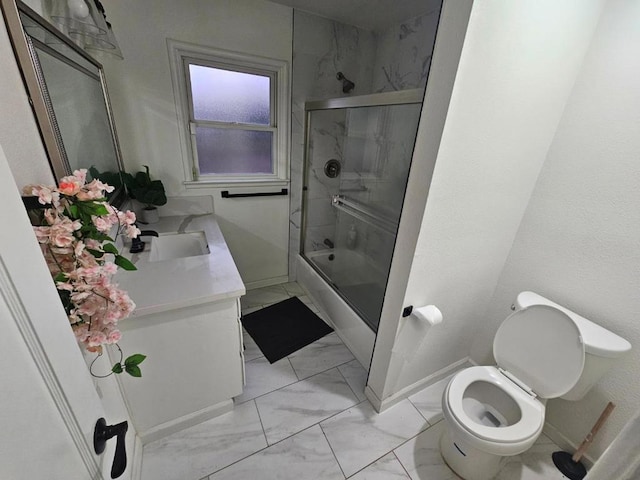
(187,323)
(194,367)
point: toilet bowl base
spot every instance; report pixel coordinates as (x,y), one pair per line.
(469,462)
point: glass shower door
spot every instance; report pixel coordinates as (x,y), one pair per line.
(352,211)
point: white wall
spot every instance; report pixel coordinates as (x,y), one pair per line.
(145,110)
(579,241)
(518,65)
(140,85)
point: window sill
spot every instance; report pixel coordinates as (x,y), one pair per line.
(276,182)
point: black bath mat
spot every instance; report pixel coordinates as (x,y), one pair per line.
(283,328)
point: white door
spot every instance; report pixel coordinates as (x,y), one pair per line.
(48,403)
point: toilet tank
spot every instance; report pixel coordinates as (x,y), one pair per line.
(602,347)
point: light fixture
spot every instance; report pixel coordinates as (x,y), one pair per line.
(85,23)
(77,18)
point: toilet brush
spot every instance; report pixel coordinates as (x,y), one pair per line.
(570,465)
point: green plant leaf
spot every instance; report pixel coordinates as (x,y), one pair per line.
(99,236)
(60,277)
(93,208)
(124,263)
(110,178)
(100,209)
(73,211)
(142,178)
(141,188)
(117,368)
(95,253)
(133,370)
(128,181)
(135,359)
(110,248)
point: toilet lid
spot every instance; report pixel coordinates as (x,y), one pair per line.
(542,347)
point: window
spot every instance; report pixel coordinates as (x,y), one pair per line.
(233,111)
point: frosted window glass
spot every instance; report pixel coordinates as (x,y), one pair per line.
(226,96)
(228,151)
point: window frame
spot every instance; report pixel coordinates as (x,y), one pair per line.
(181,55)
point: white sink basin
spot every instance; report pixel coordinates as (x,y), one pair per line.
(178,245)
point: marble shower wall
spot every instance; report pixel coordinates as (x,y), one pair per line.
(395,59)
(321,48)
(403,54)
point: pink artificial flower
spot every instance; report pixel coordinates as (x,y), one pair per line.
(132,231)
(98,186)
(78,297)
(127,218)
(81,332)
(91,243)
(109,268)
(114,336)
(96,338)
(45,194)
(79,248)
(65,286)
(42,234)
(60,238)
(102,223)
(96,303)
(81,175)
(70,185)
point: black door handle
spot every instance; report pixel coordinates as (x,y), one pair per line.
(104,432)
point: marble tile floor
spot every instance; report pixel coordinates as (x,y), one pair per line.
(306,417)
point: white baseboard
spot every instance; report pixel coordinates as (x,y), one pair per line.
(564,443)
(136,459)
(382,405)
(185,421)
(266,283)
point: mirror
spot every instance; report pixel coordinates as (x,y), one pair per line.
(68,93)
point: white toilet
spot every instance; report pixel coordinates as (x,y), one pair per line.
(542,351)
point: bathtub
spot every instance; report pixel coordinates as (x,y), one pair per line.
(351,329)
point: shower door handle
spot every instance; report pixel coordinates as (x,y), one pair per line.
(364,213)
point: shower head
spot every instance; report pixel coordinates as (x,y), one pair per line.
(347,85)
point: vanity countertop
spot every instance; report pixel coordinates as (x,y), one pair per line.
(181,282)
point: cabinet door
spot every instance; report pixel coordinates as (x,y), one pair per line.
(193,367)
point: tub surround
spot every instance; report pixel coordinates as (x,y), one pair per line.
(355,334)
(187,322)
(395,59)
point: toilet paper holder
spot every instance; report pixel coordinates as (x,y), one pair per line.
(429,313)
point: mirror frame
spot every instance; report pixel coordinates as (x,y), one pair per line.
(37,91)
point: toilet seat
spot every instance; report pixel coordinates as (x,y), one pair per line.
(532,410)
